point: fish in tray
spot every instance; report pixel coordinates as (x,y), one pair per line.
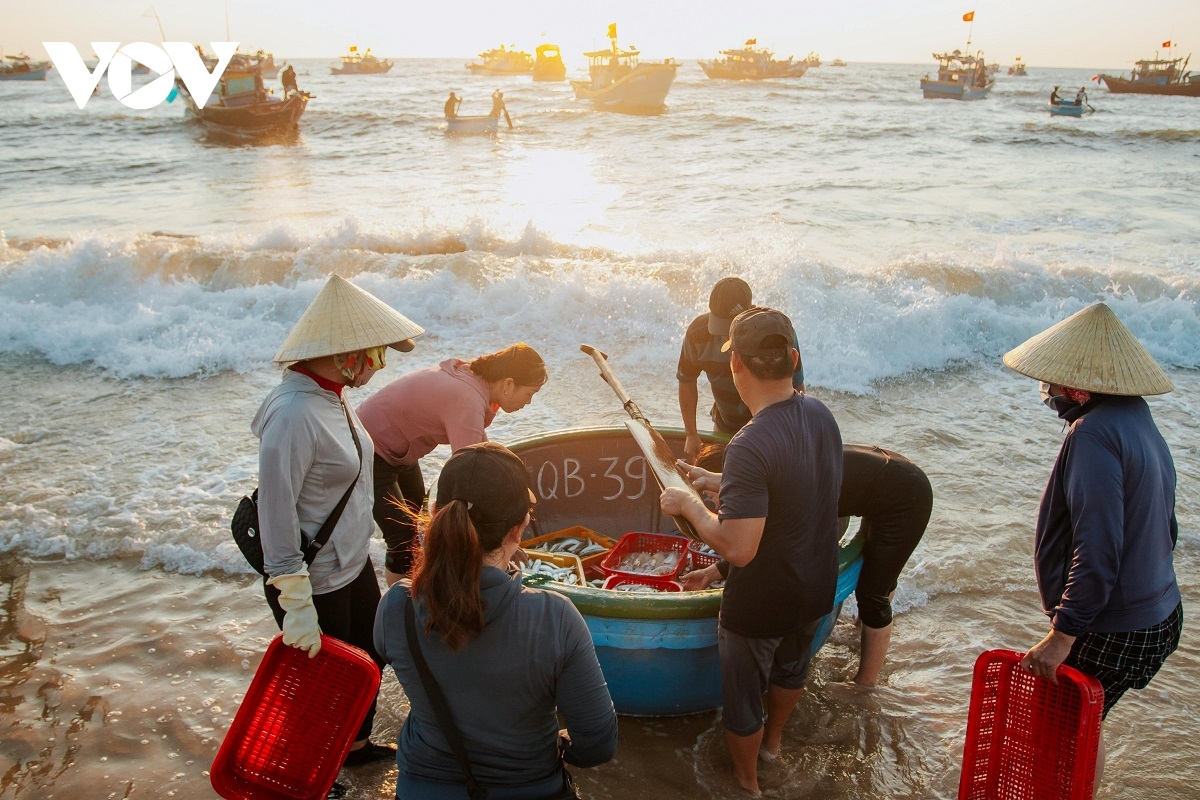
(662,562)
(536,566)
(573,545)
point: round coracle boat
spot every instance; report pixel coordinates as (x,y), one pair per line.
(658,650)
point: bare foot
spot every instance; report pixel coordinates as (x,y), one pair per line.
(766,755)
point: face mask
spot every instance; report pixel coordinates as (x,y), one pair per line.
(354,366)
(1059,404)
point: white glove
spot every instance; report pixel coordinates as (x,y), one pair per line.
(300,627)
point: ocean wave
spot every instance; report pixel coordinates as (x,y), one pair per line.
(166,306)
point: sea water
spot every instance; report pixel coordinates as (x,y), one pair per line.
(149,271)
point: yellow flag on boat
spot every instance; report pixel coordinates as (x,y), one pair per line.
(612,31)
(969,16)
(751,42)
(353,48)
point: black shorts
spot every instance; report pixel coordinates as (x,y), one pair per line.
(749,666)
(1123,661)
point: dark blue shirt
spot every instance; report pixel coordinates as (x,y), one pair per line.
(1106,527)
(784,465)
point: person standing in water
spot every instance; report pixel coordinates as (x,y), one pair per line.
(778,526)
(312,450)
(452,403)
(1106,528)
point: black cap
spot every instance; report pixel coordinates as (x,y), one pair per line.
(493,482)
(730,297)
(760,332)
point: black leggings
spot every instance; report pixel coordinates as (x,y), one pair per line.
(347,614)
(395,487)
(903,501)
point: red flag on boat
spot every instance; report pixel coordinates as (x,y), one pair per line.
(969,16)
(750,42)
(1167,43)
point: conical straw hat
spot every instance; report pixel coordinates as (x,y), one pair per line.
(343,318)
(1091,350)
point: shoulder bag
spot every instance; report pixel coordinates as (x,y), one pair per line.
(245,519)
(446,720)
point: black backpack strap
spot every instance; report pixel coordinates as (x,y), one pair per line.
(438,700)
(311,549)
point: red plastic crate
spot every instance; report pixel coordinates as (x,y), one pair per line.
(698,558)
(645,543)
(294,728)
(663,585)
(1028,739)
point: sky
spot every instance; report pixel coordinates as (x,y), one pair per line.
(1050,33)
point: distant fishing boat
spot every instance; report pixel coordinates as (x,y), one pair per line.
(618,82)
(811,60)
(548,64)
(480,123)
(1017,70)
(365,64)
(1156,76)
(502,61)
(837,62)
(240,106)
(751,63)
(23,68)
(959,77)
(1060,107)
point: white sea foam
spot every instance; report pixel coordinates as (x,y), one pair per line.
(172,307)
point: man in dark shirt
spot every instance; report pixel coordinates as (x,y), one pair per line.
(778,528)
(1106,528)
(701,352)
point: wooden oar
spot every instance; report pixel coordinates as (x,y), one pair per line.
(657,452)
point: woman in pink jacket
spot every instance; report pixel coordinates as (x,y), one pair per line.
(451,403)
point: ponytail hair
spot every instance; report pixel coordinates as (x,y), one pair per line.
(518,361)
(445,574)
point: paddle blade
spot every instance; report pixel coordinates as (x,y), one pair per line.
(661,458)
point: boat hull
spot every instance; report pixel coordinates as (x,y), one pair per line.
(256,119)
(360,71)
(473,124)
(1126,86)
(31,75)
(952,90)
(487,69)
(658,651)
(1065,110)
(719,71)
(643,90)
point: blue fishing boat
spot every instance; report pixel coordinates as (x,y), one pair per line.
(960,77)
(23,68)
(658,650)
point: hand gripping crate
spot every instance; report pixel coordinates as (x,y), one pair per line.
(294,728)
(1027,738)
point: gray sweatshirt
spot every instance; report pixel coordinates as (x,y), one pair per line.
(533,658)
(306,461)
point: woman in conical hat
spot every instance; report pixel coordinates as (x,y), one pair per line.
(314,456)
(1106,529)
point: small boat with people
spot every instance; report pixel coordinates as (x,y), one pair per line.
(23,68)
(242,107)
(548,64)
(751,63)
(960,76)
(1167,76)
(1017,70)
(476,123)
(503,61)
(355,63)
(618,81)
(1061,107)
(657,647)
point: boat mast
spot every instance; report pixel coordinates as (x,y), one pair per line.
(150,12)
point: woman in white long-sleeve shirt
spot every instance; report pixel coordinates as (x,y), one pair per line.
(309,457)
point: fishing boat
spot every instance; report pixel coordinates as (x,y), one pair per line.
(354,63)
(1017,70)
(1066,108)
(475,124)
(960,77)
(548,64)
(240,106)
(23,68)
(751,63)
(837,62)
(1156,76)
(618,82)
(811,60)
(658,651)
(503,61)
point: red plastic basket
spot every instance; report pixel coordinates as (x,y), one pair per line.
(698,559)
(1029,739)
(292,732)
(663,585)
(645,543)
